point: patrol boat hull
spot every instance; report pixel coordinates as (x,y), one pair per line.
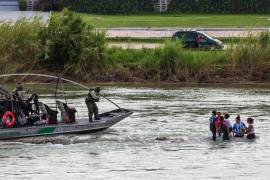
(81,126)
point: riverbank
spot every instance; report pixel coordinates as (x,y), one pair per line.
(215,82)
(82,53)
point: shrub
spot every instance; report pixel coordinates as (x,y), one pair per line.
(110,6)
(48,5)
(220,6)
(70,43)
(18,44)
(22,5)
(169,55)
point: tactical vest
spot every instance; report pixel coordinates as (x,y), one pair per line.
(89,98)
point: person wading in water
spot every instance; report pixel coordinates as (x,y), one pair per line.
(213,120)
(91,99)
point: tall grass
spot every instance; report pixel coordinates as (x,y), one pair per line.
(67,45)
(247,60)
(19,44)
(170,62)
(250,58)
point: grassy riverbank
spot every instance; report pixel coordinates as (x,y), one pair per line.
(177,20)
(72,48)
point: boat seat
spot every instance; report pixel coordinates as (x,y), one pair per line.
(50,114)
(67,113)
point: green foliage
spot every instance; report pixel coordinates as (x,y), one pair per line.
(70,46)
(251,58)
(18,44)
(110,6)
(48,5)
(22,5)
(170,62)
(220,6)
(169,55)
(69,42)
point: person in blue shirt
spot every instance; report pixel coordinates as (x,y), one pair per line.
(238,127)
(212,121)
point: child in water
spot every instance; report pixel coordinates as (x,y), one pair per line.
(238,127)
(250,129)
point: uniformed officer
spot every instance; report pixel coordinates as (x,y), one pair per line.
(18,91)
(91,99)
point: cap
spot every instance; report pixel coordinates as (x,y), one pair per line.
(97,89)
(19,87)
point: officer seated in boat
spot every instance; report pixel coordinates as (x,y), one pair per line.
(18,98)
(18,91)
(23,106)
(91,99)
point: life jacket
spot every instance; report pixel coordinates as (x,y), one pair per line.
(89,98)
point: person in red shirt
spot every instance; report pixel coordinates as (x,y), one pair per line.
(219,122)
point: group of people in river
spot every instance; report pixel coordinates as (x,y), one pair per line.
(222,126)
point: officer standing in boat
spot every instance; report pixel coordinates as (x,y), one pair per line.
(91,99)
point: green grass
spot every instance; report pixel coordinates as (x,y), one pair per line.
(177,20)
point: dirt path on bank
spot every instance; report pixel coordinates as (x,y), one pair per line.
(168,32)
(126,45)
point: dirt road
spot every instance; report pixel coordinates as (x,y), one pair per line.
(168,32)
(13,16)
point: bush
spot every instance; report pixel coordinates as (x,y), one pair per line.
(67,44)
(220,6)
(19,44)
(22,5)
(251,58)
(48,5)
(169,55)
(70,43)
(110,6)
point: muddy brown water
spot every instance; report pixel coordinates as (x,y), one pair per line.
(167,137)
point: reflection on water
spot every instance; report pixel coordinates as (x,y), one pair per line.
(166,137)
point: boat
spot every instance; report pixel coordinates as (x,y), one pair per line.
(42,120)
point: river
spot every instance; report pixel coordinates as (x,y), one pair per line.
(167,137)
